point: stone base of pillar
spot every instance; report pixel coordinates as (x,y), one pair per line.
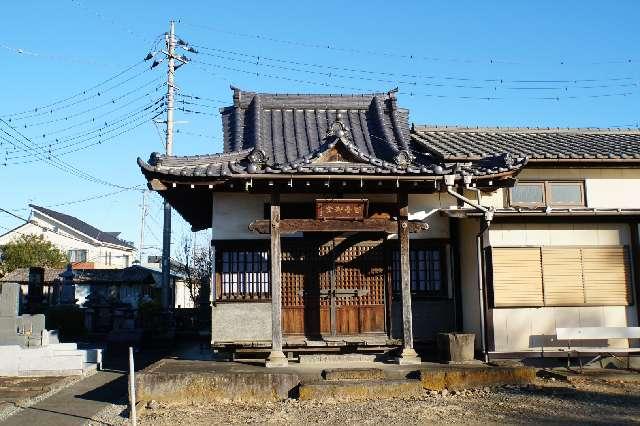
(276,359)
(408,357)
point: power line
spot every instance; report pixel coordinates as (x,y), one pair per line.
(409,93)
(134,125)
(102,131)
(54,161)
(77,94)
(406,56)
(109,102)
(83,200)
(258,60)
(57,57)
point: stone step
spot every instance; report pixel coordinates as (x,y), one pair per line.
(458,378)
(353,374)
(337,358)
(360,390)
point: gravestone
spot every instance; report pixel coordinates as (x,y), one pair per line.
(9,307)
(9,300)
(24,330)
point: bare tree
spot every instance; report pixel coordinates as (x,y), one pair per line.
(196,266)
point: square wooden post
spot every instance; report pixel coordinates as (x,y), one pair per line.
(276,357)
(408,355)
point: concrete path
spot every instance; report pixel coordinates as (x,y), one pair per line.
(75,404)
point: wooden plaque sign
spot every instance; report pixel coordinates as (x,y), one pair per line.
(342,209)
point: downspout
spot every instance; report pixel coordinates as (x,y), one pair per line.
(486,222)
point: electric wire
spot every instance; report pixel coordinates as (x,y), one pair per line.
(258,60)
(75,95)
(406,56)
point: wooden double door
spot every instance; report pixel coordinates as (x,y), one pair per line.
(334,286)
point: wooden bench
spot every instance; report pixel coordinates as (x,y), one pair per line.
(597,333)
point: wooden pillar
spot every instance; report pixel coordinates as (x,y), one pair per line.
(408,355)
(276,357)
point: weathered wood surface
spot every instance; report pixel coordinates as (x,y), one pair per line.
(276,280)
(354,275)
(341,209)
(289,226)
(405,270)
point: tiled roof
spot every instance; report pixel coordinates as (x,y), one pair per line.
(291,134)
(21,275)
(595,145)
(134,274)
(83,227)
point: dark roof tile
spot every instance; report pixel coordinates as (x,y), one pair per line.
(83,227)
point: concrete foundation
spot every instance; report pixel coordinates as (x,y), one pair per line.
(458,378)
(183,382)
(360,389)
(154,383)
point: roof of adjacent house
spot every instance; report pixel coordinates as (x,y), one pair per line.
(538,145)
(134,274)
(83,227)
(365,134)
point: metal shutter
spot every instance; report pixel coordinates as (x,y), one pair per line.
(562,271)
(607,275)
(517,276)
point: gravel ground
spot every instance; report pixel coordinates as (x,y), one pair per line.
(113,414)
(582,399)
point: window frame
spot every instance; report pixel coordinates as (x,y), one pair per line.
(229,246)
(423,244)
(84,251)
(546,194)
(580,184)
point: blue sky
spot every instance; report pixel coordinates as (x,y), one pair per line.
(536,63)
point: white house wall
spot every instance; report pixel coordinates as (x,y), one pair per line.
(66,239)
(469,278)
(519,329)
(604,188)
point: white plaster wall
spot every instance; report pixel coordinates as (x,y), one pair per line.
(569,234)
(517,329)
(605,188)
(469,278)
(182,296)
(65,239)
(232,213)
(241,322)
(425,207)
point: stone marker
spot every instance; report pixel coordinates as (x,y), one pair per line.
(455,347)
(9,299)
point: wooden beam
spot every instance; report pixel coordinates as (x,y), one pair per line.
(408,355)
(276,357)
(289,226)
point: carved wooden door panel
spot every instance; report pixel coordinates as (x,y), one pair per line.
(360,277)
(333,288)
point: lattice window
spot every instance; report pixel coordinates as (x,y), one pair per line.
(427,270)
(243,274)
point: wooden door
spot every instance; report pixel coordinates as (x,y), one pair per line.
(360,279)
(333,287)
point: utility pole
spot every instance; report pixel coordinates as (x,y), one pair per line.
(144,213)
(170,55)
(166,230)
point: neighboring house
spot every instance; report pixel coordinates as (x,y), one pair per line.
(324,201)
(562,250)
(85,246)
